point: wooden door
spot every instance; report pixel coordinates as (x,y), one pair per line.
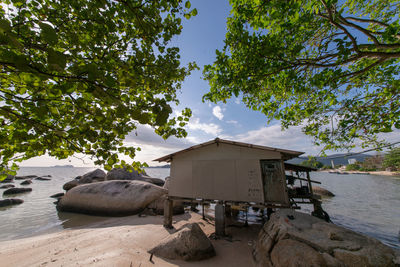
(273,178)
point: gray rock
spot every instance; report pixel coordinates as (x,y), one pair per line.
(110,198)
(42,179)
(26,182)
(189,244)
(123,174)
(17,190)
(96,175)
(26,177)
(7,186)
(90,177)
(317,190)
(156,181)
(71,184)
(292,253)
(321,243)
(166,182)
(58,195)
(10,201)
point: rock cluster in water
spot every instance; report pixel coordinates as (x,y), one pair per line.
(297,239)
(12,190)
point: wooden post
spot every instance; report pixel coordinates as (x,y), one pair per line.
(309,184)
(168,210)
(219,219)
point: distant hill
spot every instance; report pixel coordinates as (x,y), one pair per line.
(62,166)
(338,159)
(163,166)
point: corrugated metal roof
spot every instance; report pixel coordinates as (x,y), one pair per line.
(287,154)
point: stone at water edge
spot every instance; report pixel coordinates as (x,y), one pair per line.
(26,177)
(90,177)
(317,190)
(58,195)
(10,202)
(26,182)
(110,198)
(17,190)
(336,245)
(42,179)
(189,244)
(71,184)
(7,186)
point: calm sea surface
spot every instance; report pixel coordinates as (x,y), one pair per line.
(365,203)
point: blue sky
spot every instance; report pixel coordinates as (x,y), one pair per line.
(200,38)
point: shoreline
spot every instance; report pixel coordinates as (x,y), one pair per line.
(383,173)
(123,241)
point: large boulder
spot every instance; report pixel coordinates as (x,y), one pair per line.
(17,190)
(189,244)
(93,176)
(90,177)
(296,239)
(317,190)
(110,198)
(124,174)
(71,184)
(10,202)
(156,181)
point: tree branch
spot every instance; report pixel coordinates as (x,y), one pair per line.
(367,21)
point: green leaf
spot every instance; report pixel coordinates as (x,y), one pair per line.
(48,33)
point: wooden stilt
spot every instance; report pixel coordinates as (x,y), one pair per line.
(219,219)
(168,210)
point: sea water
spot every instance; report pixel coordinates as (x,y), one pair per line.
(367,204)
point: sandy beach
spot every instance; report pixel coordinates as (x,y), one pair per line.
(124,241)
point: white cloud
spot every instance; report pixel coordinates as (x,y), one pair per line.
(208,128)
(217,112)
(292,138)
(233,122)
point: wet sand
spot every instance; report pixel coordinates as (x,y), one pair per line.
(124,242)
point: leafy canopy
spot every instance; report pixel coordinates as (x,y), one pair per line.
(392,159)
(330,66)
(77,76)
(312,162)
